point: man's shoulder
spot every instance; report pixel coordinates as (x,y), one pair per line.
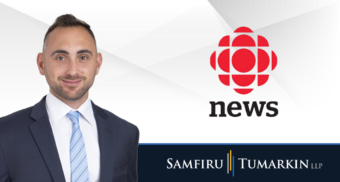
(15,119)
(119,122)
(16,116)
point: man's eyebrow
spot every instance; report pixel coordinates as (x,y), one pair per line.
(84,51)
(60,51)
(65,52)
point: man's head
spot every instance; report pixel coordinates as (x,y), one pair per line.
(69,60)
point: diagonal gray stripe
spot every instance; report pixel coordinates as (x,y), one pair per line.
(76,143)
(81,173)
(79,164)
(78,153)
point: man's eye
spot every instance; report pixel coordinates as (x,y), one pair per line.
(60,58)
(83,58)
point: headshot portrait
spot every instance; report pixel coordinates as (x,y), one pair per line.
(66,137)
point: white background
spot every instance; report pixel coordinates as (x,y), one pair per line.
(156,70)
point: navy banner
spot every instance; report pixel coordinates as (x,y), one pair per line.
(238,162)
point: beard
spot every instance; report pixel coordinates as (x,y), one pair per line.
(60,91)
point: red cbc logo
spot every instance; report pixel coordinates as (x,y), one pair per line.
(243,68)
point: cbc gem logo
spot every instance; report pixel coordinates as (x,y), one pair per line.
(241,63)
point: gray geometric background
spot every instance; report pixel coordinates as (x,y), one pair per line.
(156,72)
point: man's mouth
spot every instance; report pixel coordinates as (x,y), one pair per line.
(71,83)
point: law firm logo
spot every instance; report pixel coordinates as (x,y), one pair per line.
(243,61)
(232,164)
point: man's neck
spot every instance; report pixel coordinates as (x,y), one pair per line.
(73,104)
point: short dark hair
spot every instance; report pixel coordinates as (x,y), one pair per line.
(68,20)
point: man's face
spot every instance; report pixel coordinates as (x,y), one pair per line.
(70,62)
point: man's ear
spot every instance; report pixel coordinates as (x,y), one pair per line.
(40,63)
(99,62)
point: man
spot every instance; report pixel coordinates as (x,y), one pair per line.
(65,136)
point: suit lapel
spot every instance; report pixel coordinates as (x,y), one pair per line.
(42,133)
(43,136)
(106,138)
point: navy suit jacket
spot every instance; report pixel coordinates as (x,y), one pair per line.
(28,152)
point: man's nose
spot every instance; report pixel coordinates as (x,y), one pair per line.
(72,67)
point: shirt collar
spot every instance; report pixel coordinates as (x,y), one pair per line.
(57,109)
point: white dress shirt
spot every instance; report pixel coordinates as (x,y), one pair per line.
(62,131)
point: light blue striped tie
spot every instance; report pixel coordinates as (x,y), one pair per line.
(79,171)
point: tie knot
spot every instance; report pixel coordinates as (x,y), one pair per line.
(74,116)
